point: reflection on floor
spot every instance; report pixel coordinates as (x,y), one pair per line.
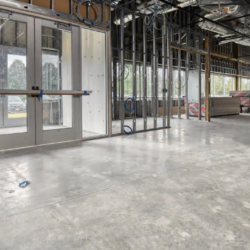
(87,134)
(116,125)
(179,189)
(23,129)
(14,130)
(54,127)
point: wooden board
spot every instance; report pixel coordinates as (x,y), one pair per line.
(42,3)
(62,6)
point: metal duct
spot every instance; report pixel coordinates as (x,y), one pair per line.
(183,5)
(231,11)
(201,3)
(144,8)
(215,16)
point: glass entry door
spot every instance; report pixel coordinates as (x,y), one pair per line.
(41,58)
(54,71)
(36,55)
(17,112)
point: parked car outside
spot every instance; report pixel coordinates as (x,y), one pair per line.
(16,104)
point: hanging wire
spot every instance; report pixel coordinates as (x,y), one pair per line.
(93,5)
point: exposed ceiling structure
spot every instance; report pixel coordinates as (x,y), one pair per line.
(228,19)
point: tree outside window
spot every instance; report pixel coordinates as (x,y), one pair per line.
(221,85)
(183,83)
(245,84)
(228,85)
(218,85)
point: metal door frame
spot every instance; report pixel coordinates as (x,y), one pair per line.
(25,139)
(56,135)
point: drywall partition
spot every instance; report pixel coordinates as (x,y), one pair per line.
(94,108)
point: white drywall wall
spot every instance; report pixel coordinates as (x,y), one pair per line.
(94,108)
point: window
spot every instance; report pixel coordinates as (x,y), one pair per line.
(221,85)
(175,83)
(128,80)
(245,84)
(149,82)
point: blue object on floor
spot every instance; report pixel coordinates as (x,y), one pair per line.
(128,132)
(24,184)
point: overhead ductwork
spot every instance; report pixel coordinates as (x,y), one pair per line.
(231,34)
(146,8)
(235,16)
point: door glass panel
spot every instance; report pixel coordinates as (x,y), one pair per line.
(56,75)
(57,112)
(13,67)
(14,118)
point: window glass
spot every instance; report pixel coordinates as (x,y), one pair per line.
(229,85)
(245,84)
(160,82)
(221,85)
(128,81)
(56,75)
(149,82)
(13,65)
(175,83)
(218,85)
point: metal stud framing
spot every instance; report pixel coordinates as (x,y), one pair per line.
(144,106)
(179,77)
(122,111)
(169,67)
(186,86)
(155,78)
(164,77)
(134,70)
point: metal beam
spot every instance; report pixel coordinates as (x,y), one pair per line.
(164,75)
(187,81)
(155,57)
(199,78)
(122,111)
(52,4)
(199,86)
(171,72)
(144,76)
(179,77)
(188,49)
(134,69)
(207,78)
(169,63)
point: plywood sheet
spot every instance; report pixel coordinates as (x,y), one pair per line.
(42,3)
(62,6)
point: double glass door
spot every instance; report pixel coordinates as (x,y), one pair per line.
(37,54)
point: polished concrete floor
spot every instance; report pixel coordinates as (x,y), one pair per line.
(184,188)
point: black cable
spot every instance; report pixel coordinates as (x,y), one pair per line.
(247,1)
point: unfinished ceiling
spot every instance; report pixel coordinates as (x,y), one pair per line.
(228,19)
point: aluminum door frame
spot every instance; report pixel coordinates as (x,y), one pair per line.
(26,139)
(66,134)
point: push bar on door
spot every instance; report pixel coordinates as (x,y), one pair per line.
(45,92)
